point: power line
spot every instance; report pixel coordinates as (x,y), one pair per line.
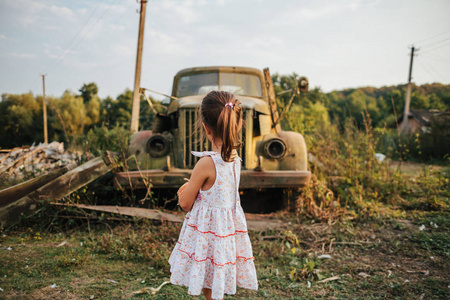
(75,36)
(83,36)
(435,43)
(432,69)
(426,69)
(435,48)
(443,59)
(434,36)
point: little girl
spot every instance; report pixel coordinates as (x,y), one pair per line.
(213,252)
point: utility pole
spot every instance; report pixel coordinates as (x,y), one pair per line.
(137,77)
(44,109)
(408,94)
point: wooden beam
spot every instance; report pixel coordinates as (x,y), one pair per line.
(131,211)
(254,221)
(56,189)
(20,190)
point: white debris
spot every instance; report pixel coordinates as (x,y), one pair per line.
(389,273)
(9,248)
(363,275)
(434,225)
(277,272)
(422,227)
(112,281)
(53,286)
(323,256)
(1,290)
(81,244)
(406,281)
(62,244)
(432,257)
(380,157)
(308,284)
(38,160)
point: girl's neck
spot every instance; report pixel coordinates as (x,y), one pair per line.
(216,147)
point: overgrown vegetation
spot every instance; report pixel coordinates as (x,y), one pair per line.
(363,228)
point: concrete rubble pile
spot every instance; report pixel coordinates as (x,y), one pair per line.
(19,162)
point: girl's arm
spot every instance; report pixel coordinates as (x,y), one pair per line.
(203,170)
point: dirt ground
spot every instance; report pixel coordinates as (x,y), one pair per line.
(382,259)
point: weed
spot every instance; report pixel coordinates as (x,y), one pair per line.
(438,242)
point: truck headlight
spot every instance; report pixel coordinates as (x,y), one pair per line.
(157,145)
(275,148)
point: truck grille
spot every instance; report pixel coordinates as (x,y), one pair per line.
(195,139)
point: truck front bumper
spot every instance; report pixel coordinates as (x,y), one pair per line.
(249,179)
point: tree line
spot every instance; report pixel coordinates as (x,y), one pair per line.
(75,114)
(383,105)
(69,116)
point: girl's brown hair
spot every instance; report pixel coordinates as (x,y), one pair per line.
(222,114)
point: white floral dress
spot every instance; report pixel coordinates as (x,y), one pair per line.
(214,250)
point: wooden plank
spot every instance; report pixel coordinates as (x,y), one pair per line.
(255,222)
(131,211)
(18,191)
(56,189)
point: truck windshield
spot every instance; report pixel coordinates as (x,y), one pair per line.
(203,83)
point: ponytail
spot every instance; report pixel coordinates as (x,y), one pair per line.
(222,113)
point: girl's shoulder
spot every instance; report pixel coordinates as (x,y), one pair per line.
(204,153)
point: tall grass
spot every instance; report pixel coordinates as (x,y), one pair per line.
(347,180)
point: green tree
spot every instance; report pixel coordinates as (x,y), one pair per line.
(20,120)
(88,91)
(72,117)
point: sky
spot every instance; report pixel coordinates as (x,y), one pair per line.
(337,44)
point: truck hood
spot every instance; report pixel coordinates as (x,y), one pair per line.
(258,105)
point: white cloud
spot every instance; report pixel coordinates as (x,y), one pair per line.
(308,14)
(82,11)
(162,43)
(63,12)
(117,8)
(123,50)
(59,53)
(184,11)
(27,11)
(353,5)
(22,55)
(117,28)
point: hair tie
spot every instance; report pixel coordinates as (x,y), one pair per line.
(229,104)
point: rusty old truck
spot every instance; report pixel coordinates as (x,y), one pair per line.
(274,162)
